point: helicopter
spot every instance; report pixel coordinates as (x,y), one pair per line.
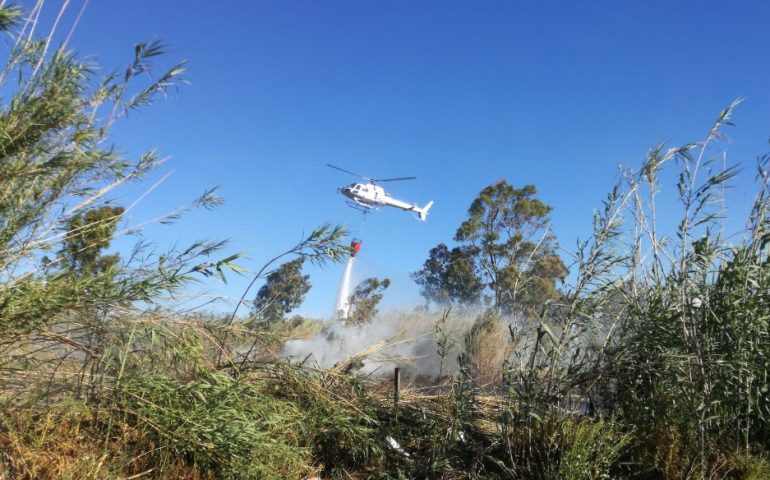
(368,196)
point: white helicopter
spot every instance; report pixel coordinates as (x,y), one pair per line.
(368,196)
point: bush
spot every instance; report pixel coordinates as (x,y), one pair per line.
(486,348)
(228,427)
(587,449)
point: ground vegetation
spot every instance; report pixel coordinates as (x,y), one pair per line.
(650,362)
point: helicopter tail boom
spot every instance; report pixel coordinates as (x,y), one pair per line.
(422,213)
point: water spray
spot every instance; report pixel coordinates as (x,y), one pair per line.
(343,295)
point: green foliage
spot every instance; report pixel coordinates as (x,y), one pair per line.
(445,342)
(228,427)
(749,467)
(449,276)
(364,300)
(700,362)
(57,171)
(284,290)
(691,342)
(577,449)
(9,17)
(506,250)
(88,233)
(341,421)
(324,244)
(664,329)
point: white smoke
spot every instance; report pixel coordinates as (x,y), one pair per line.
(343,294)
(405,339)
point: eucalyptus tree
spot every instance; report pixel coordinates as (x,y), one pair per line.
(505,253)
(449,276)
(284,290)
(90,232)
(364,300)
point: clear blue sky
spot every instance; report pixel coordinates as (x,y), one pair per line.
(459,94)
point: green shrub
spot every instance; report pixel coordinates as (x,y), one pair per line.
(218,424)
(588,449)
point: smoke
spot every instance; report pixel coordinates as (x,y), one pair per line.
(405,339)
(343,294)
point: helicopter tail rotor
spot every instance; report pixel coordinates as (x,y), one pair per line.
(422,213)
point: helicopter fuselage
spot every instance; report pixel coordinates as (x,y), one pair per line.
(368,195)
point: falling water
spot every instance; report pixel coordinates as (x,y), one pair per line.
(343,295)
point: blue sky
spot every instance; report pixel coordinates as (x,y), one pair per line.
(459,94)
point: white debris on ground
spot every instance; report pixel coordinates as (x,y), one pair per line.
(395,446)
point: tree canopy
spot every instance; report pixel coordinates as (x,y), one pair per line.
(449,276)
(284,290)
(364,300)
(89,233)
(505,254)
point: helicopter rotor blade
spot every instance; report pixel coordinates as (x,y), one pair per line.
(348,171)
(392,179)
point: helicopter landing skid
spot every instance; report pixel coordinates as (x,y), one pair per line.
(361,208)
